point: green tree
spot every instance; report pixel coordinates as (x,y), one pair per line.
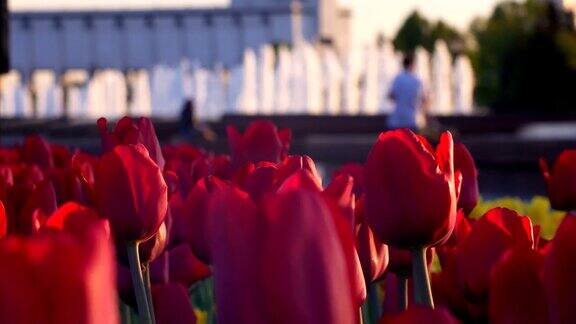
(413,33)
(418,31)
(525,59)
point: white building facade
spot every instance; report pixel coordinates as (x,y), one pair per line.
(136,39)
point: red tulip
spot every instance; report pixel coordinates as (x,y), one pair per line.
(221,166)
(129,131)
(461,231)
(6,181)
(498,231)
(59,276)
(417,315)
(9,155)
(68,186)
(75,219)
(410,190)
(559,269)
(340,191)
(42,199)
(294,163)
(299,286)
(265,177)
(469,193)
(356,171)
(160,268)
(184,173)
(261,141)
(302,179)
(235,243)
(37,151)
(373,254)
(561,180)
(172,305)
(191,217)
(61,155)
(83,165)
(148,250)
(184,267)
(180,231)
(446,288)
(516,289)
(460,234)
(340,200)
(172,182)
(19,184)
(185,152)
(260,179)
(130,192)
(3,220)
(200,168)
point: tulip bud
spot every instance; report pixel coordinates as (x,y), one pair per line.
(131,193)
(558,273)
(469,192)
(516,288)
(499,230)
(410,190)
(261,141)
(561,181)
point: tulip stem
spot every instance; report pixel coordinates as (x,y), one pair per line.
(421,279)
(403,292)
(373,303)
(148,286)
(138,283)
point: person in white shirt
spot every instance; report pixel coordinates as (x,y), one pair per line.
(408,94)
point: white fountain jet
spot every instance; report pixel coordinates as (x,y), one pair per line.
(351,95)
(141,100)
(48,94)
(463,86)
(370,93)
(199,92)
(76,92)
(298,81)
(14,97)
(216,94)
(265,80)
(248,100)
(441,103)
(282,86)
(313,80)
(422,69)
(167,91)
(107,94)
(332,85)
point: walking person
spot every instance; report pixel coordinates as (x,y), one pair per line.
(409,97)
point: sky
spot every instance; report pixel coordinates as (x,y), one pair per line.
(384,15)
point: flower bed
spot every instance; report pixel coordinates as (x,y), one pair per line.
(176,234)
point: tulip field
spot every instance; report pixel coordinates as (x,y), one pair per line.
(144,233)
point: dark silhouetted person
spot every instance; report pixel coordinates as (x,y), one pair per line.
(190,126)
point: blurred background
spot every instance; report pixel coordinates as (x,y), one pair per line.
(500,74)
